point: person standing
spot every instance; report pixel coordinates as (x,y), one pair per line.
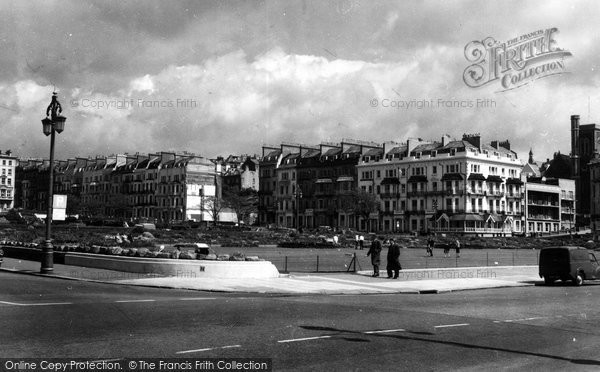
(393,260)
(375,253)
(457,247)
(356,241)
(362,242)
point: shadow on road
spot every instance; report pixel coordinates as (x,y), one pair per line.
(341,332)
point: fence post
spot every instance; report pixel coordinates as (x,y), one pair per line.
(456,264)
(354,260)
(487,258)
(426,263)
(285,267)
(317,263)
(513,258)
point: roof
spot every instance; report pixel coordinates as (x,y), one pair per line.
(425,147)
(514,181)
(476,177)
(417,179)
(466,217)
(374,152)
(496,179)
(452,177)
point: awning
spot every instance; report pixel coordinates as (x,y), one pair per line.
(345,179)
(444,216)
(514,181)
(324,180)
(476,177)
(390,181)
(496,179)
(494,217)
(466,217)
(452,177)
(417,179)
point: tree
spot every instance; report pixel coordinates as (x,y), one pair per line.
(213,206)
(244,203)
(364,204)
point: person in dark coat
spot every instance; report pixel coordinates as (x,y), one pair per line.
(393,260)
(375,253)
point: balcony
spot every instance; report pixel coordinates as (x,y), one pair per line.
(389,195)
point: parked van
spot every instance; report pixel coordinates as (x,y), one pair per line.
(568,263)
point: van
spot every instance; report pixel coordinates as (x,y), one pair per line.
(568,263)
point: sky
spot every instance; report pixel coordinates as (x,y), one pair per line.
(227,77)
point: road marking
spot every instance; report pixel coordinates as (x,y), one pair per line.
(106,360)
(36,304)
(303,339)
(196,298)
(129,301)
(451,325)
(208,349)
(524,319)
(385,331)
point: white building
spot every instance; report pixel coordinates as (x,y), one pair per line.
(461,186)
(549,205)
(8,164)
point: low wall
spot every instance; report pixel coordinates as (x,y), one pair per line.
(174,267)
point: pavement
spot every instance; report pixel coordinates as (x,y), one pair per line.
(413,281)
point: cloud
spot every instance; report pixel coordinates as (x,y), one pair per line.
(225,77)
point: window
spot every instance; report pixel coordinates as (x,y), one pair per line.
(434,170)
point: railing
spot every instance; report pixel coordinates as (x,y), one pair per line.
(489,230)
(355,260)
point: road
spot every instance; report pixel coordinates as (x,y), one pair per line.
(529,328)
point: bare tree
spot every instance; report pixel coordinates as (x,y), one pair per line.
(364,204)
(244,203)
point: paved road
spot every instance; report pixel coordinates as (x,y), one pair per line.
(530,328)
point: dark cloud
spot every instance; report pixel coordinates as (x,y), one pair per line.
(280,70)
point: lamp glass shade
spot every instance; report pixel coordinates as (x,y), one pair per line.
(59,123)
(47,126)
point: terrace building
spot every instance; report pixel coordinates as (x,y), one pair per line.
(549,205)
(8,163)
(462,186)
(164,187)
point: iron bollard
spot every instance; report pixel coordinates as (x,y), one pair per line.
(285,265)
(317,263)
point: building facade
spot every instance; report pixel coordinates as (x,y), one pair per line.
(163,187)
(462,186)
(549,205)
(8,163)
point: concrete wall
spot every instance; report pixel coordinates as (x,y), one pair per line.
(173,267)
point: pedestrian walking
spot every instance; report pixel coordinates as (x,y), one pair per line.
(356,241)
(457,247)
(393,260)
(375,253)
(430,243)
(446,249)
(362,242)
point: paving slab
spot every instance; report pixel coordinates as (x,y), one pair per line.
(409,281)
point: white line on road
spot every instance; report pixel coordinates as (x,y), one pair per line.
(36,304)
(303,339)
(106,360)
(208,349)
(196,298)
(128,301)
(451,325)
(385,331)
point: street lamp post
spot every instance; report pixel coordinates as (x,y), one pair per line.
(56,123)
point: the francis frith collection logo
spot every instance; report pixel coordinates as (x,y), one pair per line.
(515,62)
